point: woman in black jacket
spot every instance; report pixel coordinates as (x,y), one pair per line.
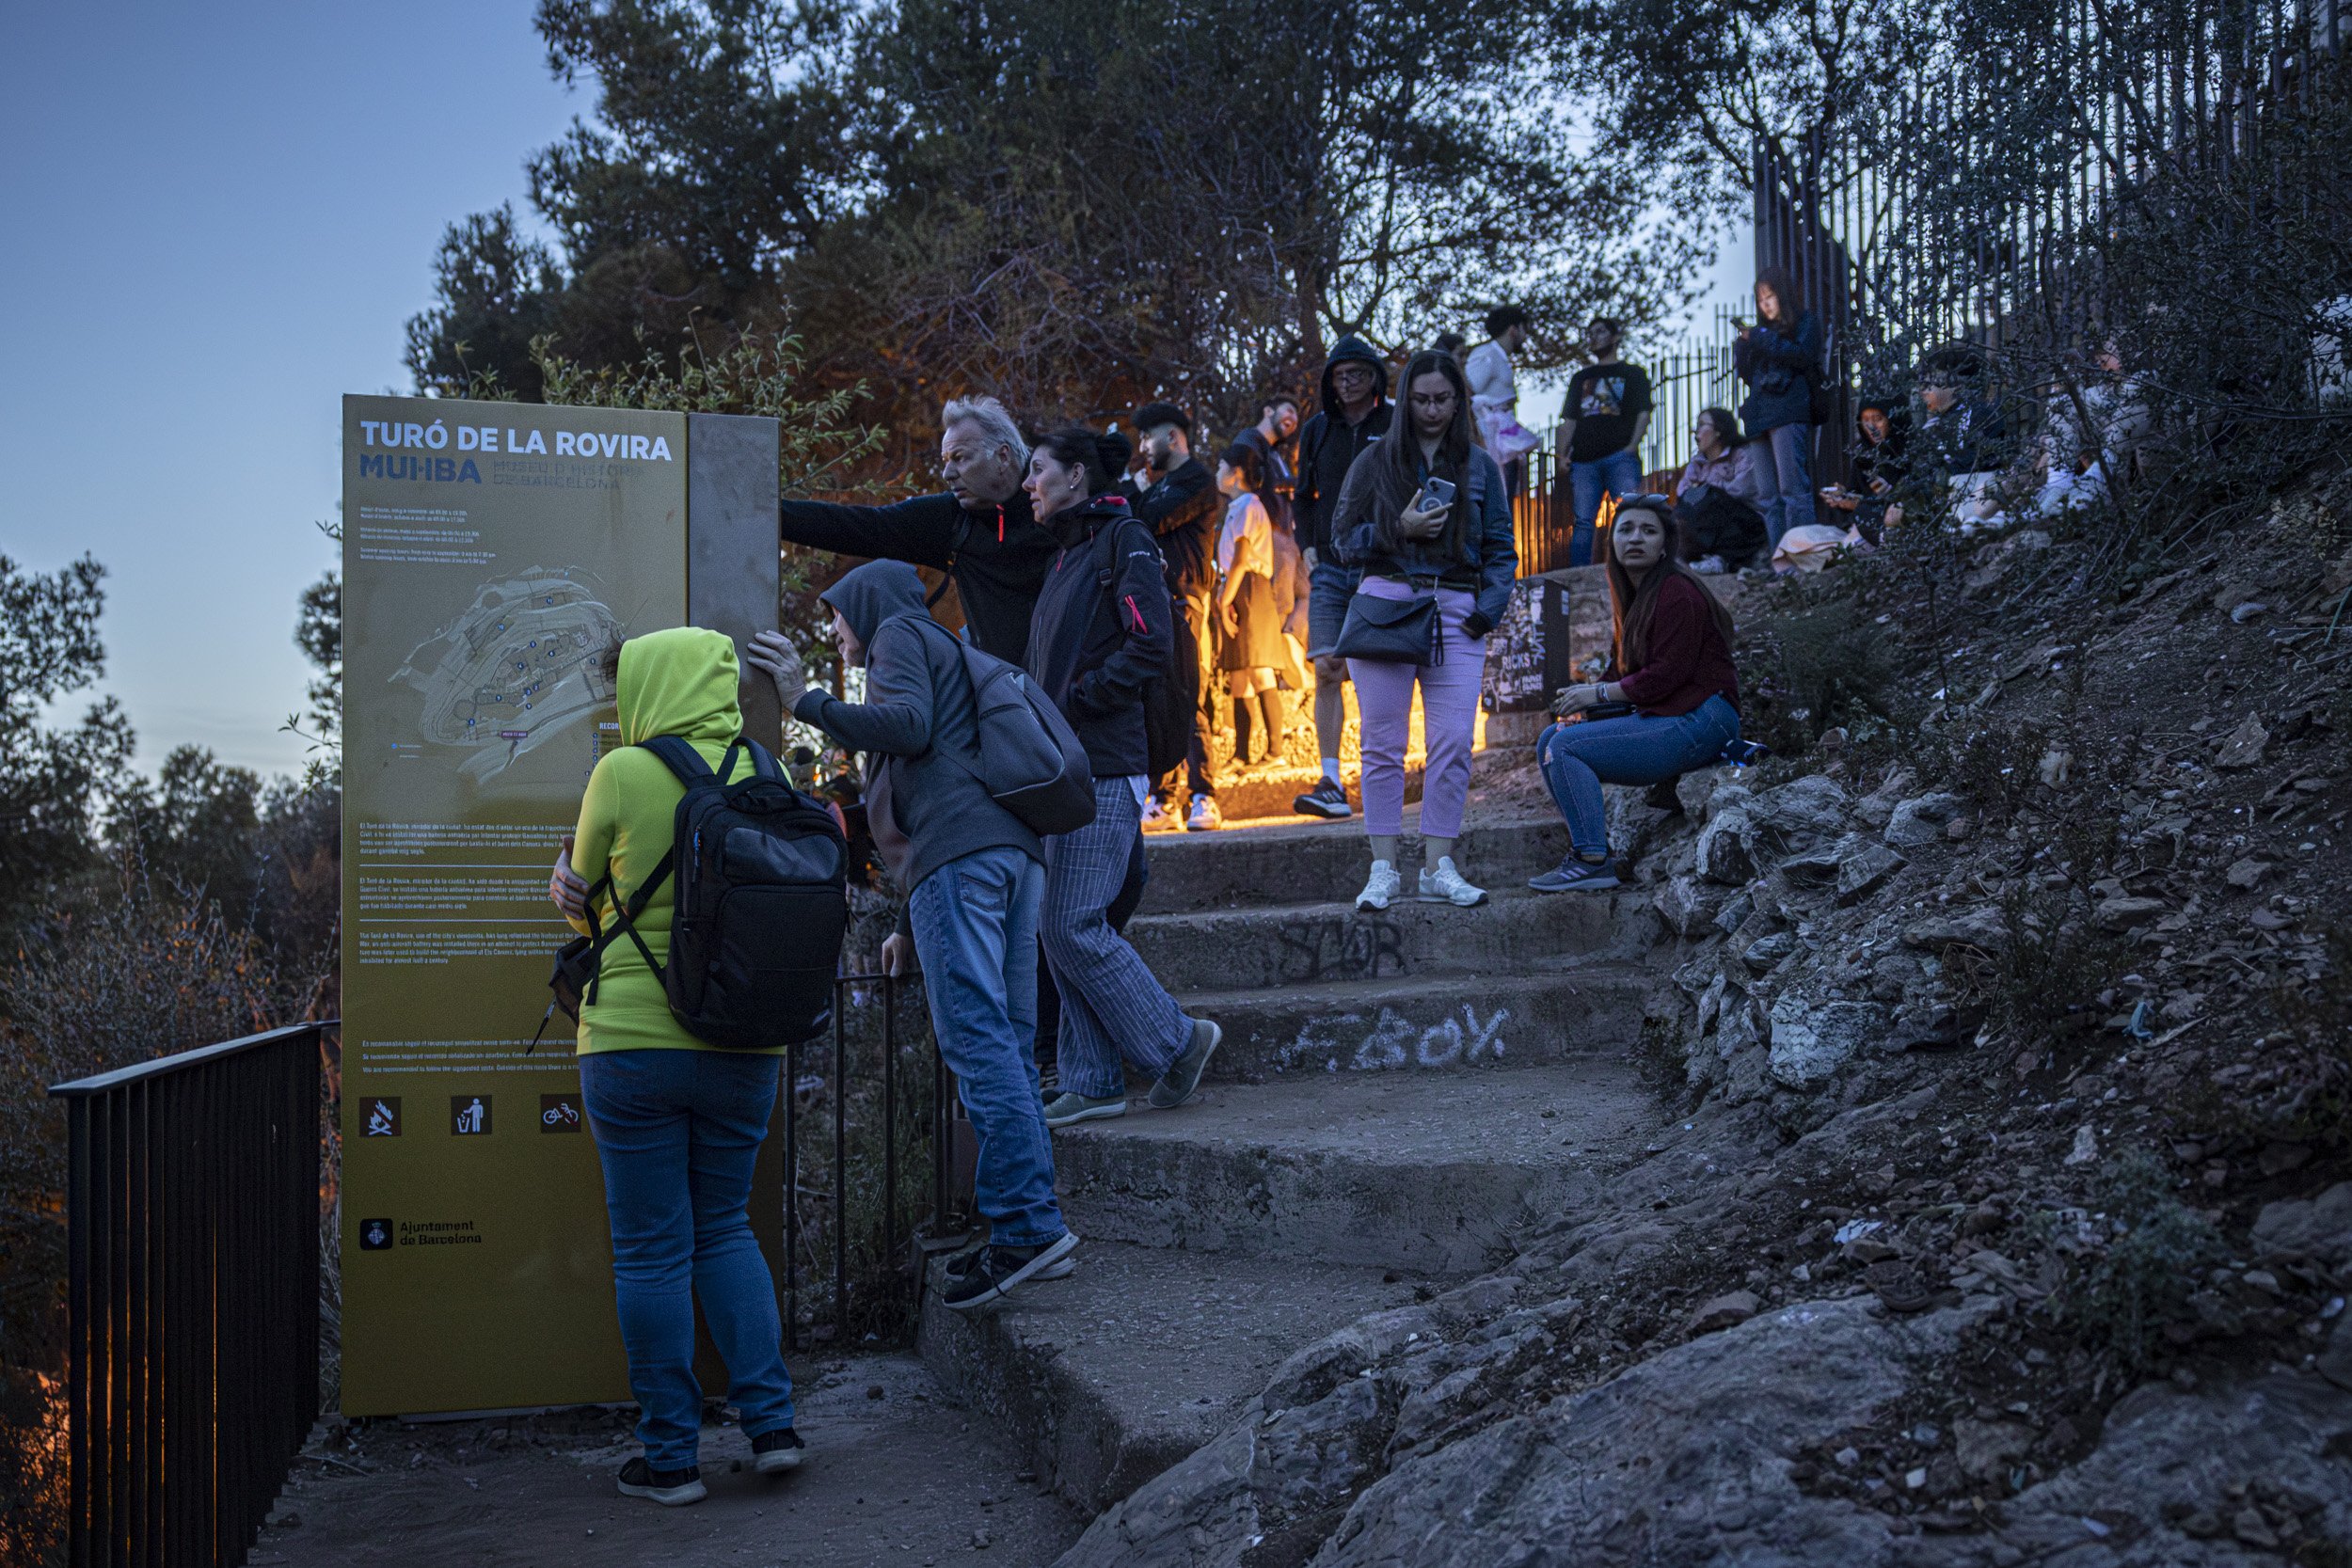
(1780,359)
(1102,630)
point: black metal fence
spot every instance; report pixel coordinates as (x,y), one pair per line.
(192,1216)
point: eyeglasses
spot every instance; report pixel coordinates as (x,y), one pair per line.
(1443,400)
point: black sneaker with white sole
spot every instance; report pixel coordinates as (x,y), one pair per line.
(998,1272)
(669,1488)
(777,1450)
(1326,800)
(962,1263)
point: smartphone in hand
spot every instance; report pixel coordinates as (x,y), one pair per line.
(1437,494)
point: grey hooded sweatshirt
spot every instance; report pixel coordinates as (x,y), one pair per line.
(917,718)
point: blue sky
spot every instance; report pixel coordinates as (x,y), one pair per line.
(219,219)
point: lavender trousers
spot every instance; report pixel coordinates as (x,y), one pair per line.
(1449,702)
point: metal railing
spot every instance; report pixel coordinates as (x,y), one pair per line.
(192,1222)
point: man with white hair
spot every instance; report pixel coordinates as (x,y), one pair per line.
(982,532)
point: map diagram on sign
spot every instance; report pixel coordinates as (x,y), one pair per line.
(516,668)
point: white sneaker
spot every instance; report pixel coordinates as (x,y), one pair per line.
(1157,819)
(1710,566)
(1204,814)
(1384,885)
(1446,886)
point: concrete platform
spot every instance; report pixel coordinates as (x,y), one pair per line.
(1432,1174)
(1325,861)
(1101,1380)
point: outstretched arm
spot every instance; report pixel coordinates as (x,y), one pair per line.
(921,532)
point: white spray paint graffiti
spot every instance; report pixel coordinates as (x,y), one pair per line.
(1394,1041)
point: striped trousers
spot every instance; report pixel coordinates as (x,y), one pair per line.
(1111,1006)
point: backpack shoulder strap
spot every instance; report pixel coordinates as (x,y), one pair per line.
(682,759)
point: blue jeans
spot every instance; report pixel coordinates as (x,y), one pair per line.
(1329,587)
(975,923)
(1578,759)
(1618,474)
(678,1132)
(1786,469)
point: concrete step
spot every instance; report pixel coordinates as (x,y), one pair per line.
(1437,1175)
(1103,1380)
(1310,943)
(1325,861)
(1547,1014)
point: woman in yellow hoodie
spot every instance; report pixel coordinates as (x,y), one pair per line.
(677,1123)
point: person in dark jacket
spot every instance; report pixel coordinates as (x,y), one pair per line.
(1352,414)
(1879,465)
(1672,661)
(1101,632)
(1780,359)
(1175,496)
(980,532)
(977,880)
(1460,554)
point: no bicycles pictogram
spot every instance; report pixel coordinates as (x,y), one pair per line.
(559,1113)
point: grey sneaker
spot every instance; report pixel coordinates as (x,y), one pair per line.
(1071,1106)
(1183,1079)
(998,1272)
(1576,875)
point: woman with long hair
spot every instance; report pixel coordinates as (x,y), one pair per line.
(1716,501)
(1247,603)
(1101,631)
(1671,668)
(1780,359)
(1426,515)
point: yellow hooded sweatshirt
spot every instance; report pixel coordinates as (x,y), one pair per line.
(680,682)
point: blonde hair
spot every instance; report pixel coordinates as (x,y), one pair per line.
(996,422)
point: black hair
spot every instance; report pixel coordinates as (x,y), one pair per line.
(1502,318)
(1276,400)
(1726,425)
(1785,295)
(1103,457)
(1247,460)
(1449,345)
(1617,327)
(1154,415)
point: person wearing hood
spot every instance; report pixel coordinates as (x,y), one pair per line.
(974,876)
(678,1122)
(1102,629)
(1780,359)
(1174,496)
(1352,414)
(980,532)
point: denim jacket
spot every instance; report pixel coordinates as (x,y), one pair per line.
(1490,557)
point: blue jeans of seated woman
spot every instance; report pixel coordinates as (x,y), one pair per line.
(678,1133)
(1578,759)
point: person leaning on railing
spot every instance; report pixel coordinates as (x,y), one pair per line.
(1673,699)
(678,1122)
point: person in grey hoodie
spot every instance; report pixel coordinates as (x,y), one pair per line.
(974,877)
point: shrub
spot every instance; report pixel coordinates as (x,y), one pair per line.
(2120,1297)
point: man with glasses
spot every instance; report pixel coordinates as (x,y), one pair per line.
(1354,413)
(1601,425)
(982,532)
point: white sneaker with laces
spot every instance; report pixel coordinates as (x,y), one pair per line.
(1204,814)
(1446,886)
(1156,816)
(1384,886)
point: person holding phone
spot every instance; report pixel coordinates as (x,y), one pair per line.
(1427,520)
(1780,359)
(1672,696)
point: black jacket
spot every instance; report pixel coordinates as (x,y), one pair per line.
(1328,447)
(1184,509)
(1094,641)
(999,559)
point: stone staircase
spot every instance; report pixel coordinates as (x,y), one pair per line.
(1399,1098)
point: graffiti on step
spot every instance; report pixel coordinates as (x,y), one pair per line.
(1340,947)
(1393,1041)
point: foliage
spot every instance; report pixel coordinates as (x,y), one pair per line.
(49,774)
(2120,1296)
(1075,206)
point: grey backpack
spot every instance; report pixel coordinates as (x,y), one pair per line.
(1030,761)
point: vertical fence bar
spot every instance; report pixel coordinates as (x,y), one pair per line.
(840,1181)
(792,1196)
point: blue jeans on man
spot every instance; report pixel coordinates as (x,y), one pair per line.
(678,1131)
(1617,474)
(975,932)
(1576,759)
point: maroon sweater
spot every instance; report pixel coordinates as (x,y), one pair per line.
(1687,659)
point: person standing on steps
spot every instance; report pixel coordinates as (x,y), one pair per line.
(1246,603)
(980,532)
(1353,413)
(1671,666)
(678,1122)
(1424,516)
(976,880)
(1174,496)
(1602,421)
(1780,359)
(1101,632)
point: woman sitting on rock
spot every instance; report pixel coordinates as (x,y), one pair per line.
(1671,705)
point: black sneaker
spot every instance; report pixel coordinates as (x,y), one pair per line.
(996,1272)
(962,1263)
(1326,800)
(777,1450)
(669,1488)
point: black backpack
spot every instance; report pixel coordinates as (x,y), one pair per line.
(758,919)
(1168,698)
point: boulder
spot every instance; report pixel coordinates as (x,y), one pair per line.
(1688,905)
(1725,1312)
(1863,872)
(1876,807)
(1766,951)
(1811,1040)
(1728,850)
(1803,810)
(1707,792)
(1921,819)
(1983,927)
(2319,1228)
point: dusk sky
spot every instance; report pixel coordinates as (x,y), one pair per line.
(219,219)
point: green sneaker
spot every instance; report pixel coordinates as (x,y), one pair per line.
(1070,1107)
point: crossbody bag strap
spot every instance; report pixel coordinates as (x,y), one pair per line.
(948,573)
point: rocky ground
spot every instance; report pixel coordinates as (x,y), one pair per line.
(2005,1217)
